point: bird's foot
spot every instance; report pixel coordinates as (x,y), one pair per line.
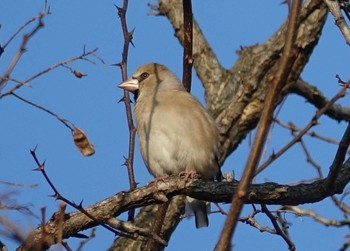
(189,174)
(157,179)
(160,196)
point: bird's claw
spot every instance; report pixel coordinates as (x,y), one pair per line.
(189,174)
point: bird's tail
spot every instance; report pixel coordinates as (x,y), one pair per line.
(200,210)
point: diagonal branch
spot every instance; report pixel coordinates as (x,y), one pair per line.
(82,56)
(21,50)
(316,98)
(334,8)
(277,227)
(296,139)
(339,157)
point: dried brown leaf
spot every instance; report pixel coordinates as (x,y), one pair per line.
(83,143)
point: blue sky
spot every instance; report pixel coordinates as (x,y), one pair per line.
(91,104)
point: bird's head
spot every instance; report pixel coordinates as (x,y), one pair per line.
(151,78)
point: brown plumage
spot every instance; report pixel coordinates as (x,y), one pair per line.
(176,134)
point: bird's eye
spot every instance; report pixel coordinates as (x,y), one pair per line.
(144,75)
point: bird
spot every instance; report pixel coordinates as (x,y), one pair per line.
(176,133)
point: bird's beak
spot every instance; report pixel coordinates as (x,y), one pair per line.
(131,85)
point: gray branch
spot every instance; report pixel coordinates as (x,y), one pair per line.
(266,193)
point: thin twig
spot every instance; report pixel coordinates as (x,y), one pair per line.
(313,134)
(315,97)
(91,236)
(345,209)
(82,56)
(18,184)
(309,159)
(278,229)
(188,44)
(57,195)
(21,50)
(334,8)
(269,136)
(40,15)
(126,228)
(301,133)
(129,161)
(339,158)
(66,122)
(251,221)
(316,217)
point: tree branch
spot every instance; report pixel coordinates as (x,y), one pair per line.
(296,139)
(128,35)
(266,193)
(316,98)
(339,157)
(188,44)
(334,8)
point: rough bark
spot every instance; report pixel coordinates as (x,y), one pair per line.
(151,196)
(235,96)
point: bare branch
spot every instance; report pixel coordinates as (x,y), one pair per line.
(57,195)
(316,217)
(91,236)
(339,157)
(128,35)
(293,128)
(344,208)
(82,56)
(334,8)
(66,122)
(251,221)
(21,50)
(205,61)
(188,44)
(316,97)
(296,139)
(279,231)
